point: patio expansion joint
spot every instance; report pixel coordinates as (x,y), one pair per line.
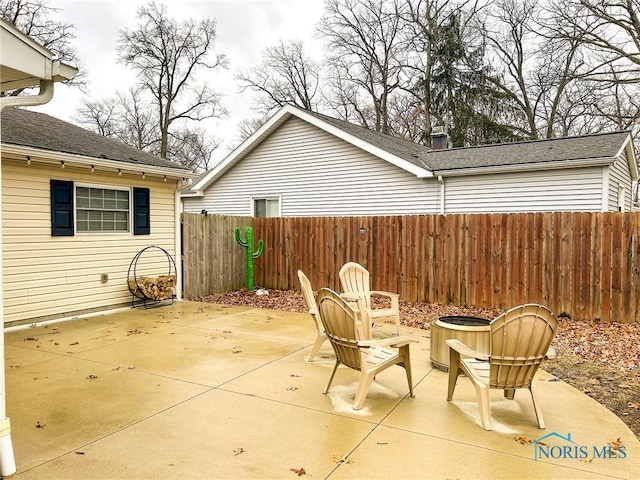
(376,426)
(67,353)
(305,342)
(118,366)
(117,431)
(302,407)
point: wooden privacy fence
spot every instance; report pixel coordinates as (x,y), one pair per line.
(212,260)
(584,265)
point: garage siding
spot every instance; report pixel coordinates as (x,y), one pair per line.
(577,189)
(317,174)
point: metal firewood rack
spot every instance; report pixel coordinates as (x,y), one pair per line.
(147,287)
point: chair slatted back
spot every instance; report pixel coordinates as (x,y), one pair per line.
(520,339)
(310,299)
(339,321)
(354,278)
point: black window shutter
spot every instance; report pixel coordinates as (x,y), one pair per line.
(141,211)
(61,208)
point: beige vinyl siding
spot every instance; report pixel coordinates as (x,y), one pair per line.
(578,189)
(619,175)
(49,277)
(316,174)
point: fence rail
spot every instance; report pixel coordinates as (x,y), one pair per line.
(581,264)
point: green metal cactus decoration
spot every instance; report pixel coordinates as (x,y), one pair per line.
(250,255)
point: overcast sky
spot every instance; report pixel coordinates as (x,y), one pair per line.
(245,28)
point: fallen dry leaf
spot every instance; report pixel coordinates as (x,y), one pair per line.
(523,440)
(341,459)
(616,444)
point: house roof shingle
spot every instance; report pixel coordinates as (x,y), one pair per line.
(595,146)
(38,130)
(399,147)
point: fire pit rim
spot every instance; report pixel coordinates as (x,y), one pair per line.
(441,322)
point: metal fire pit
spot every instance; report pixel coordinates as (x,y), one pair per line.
(472,331)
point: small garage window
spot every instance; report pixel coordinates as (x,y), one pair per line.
(266,207)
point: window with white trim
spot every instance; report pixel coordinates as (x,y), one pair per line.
(266,207)
(102,210)
(96,209)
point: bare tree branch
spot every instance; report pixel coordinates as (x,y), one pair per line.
(167,56)
(286,76)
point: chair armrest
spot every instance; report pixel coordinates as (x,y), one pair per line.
(462,349)
(551,354)
(384,294)
(393,297)
(397,341)
(351,296)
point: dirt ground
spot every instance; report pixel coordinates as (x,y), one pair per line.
(600,359)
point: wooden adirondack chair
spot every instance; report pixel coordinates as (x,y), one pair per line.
(519,340)
(369,357)
(310,300)
(355,282)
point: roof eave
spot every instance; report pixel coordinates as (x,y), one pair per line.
(629,152)
(524,167)
(192,194)
(49,156)
(25,63)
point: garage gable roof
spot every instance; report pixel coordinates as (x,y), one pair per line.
(399,152)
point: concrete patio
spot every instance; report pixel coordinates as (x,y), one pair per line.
(196,390)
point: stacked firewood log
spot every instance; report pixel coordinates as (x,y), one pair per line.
(153,288)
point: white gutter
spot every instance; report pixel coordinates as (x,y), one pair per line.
(442,193)
(551,165)
(46,94)
(605,189)
(177,202)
